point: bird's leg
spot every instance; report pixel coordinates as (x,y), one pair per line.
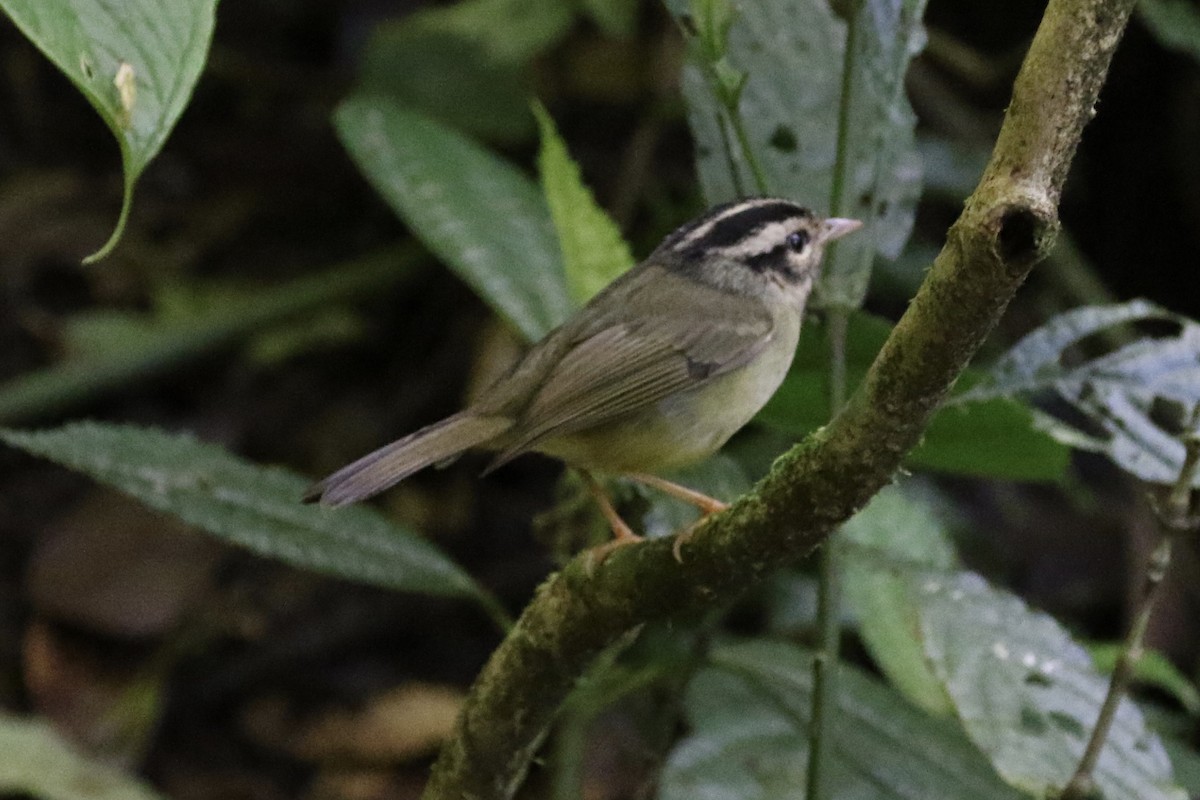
(622,533)
(707,505)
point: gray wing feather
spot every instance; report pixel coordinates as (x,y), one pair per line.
(394,462)
(622,366)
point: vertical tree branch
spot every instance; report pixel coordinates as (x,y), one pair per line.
(1007,226)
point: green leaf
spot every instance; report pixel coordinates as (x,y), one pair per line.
(898,534)
(789,105)
(1152,669)
(1138,394)
(479,214)
(513,31)
(988,437)
(35,761)
(111,351)
(594,253)
(749,737)
(617,18)
(710,21)
(136,62)
(466,64)
(1175,23)
(256,507)
(998,438)
(1186,762)
(1028,695)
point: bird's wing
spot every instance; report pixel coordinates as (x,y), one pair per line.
(638,357)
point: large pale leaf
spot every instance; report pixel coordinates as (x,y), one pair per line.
(594,252)
(36,762)
(1137,396)
(789,106)
(749,716)
(477,212)
(136,61)
(1028,695)
(252,506)
(898,534)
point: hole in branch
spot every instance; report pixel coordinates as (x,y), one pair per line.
(1019,233)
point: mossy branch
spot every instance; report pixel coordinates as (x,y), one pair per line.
(1007,226)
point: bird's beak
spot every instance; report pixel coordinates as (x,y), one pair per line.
(837,227)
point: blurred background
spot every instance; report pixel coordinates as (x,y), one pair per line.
(220,674)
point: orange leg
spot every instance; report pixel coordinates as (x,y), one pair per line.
(622,533)
(707,505)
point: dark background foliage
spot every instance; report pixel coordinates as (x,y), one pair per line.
(254,188)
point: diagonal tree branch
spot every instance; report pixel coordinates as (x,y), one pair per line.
(1007,226)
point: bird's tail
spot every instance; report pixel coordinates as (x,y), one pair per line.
(393,463)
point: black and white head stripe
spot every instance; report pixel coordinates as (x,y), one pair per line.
(741,229)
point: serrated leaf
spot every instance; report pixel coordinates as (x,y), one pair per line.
(897,535)
(136,62)
(749,718)
(36,762)
(789,106)
(988,436)
(1137,396)
(1028,696)
(256,507)
(594,252)
(485,219)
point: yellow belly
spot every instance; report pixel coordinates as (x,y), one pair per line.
(685,428)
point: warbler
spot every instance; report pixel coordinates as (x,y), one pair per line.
(656,372)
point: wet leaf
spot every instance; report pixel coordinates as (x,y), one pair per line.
(1028,695)
(1136,396)
(789,104)
(749,712)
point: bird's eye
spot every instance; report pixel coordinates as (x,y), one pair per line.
(797,240)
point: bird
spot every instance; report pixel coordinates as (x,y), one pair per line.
(657,371)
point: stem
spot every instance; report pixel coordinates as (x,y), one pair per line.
(825,660)
(730,160)
(841,169)
(495,610)
(1082,785)
(1173,520)
(739,130)
(828,584)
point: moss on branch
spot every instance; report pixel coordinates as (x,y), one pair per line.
(1007,226)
